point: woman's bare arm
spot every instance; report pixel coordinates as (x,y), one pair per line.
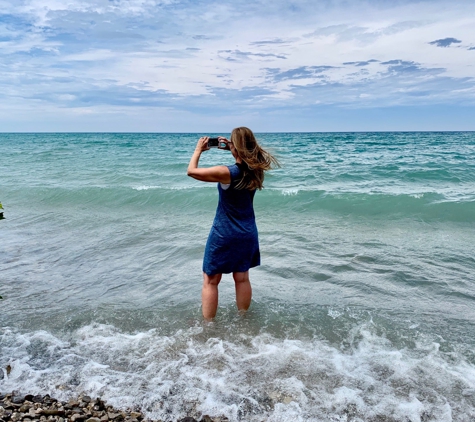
(210,174)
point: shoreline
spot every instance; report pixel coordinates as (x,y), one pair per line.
(17,407)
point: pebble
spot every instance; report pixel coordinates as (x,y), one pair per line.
(36,408)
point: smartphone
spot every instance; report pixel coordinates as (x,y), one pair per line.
(213,142)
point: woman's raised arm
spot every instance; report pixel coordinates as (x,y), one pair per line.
(210,174)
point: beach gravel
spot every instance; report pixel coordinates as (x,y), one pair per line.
(36,408)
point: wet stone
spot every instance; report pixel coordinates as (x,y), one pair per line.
(18,400)
(17,408)
(52,412)
(99,405)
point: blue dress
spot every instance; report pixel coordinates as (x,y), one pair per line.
(233,244)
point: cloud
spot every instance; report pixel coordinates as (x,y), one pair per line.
(445,42)
(303,72)
(225,55)
(404,66)
(275,41)
(236,55)
(364,63)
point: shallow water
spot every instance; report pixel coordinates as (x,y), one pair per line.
(363,308)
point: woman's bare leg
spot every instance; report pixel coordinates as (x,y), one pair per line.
(209,295)
(243,290)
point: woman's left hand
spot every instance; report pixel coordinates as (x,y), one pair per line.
(227,141)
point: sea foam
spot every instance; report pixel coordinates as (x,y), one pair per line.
(248,378)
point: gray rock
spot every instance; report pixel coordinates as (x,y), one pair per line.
(24,408)
(52,412)
(37,399)
(18,399)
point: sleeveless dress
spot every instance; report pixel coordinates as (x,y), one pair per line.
(233,244)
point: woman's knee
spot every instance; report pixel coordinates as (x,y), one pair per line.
(241,277)
(211,279)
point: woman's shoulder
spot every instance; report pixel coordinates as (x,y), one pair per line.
(235,170)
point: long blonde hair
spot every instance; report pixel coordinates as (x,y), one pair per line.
(255,159)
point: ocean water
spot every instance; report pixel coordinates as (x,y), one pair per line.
(363,307)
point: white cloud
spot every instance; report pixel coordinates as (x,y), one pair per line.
(265,54)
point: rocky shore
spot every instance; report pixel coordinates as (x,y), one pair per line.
(36,408)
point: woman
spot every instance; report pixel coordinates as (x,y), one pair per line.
(233,245)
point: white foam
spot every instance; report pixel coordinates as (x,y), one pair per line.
(185,187)
(290,191)
(147,187)
(251,378)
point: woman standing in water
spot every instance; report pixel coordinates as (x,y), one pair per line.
(233,244)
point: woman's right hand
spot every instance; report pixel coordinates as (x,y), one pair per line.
(202,144)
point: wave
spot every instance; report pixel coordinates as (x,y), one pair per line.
(181,199)
(425,206)
(194,371)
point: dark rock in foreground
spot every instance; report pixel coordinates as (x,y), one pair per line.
(18,408)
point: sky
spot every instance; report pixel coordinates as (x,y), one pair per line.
(210,66)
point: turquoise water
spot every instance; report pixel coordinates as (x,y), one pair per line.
(363,308)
